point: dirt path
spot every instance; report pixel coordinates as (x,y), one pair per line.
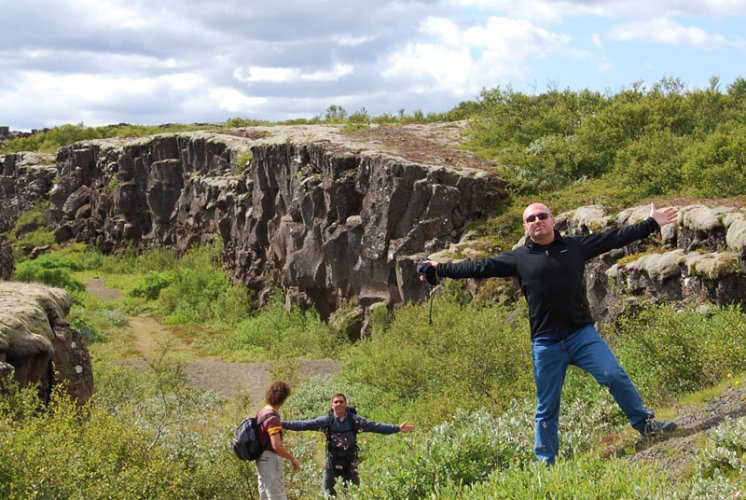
(97,287)
(150,337)
(675,452)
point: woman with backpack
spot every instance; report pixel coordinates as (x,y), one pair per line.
(269,464)
(341,426)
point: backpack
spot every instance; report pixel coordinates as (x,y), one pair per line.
(247,446)
(346,455)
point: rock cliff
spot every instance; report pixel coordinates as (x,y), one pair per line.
(330,217)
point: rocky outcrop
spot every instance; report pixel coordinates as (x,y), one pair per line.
(37,344)
(7,264)
(328,218)
(24,179)
(700,259)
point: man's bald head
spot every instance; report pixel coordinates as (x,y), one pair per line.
(539,223)
(536,208)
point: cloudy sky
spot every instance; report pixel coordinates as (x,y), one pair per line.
(184,61)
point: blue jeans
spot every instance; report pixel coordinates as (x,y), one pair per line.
(585,349)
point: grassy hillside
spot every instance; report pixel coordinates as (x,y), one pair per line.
(464,380)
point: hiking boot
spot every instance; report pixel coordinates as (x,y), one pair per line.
(653,427)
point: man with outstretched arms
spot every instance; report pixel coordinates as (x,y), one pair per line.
(341,426)
(550,270)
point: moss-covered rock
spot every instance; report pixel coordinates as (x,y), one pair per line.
(37,341)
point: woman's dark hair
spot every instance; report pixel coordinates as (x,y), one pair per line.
(277,393)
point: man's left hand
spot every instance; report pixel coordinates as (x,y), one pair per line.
(405,427)
(663,216)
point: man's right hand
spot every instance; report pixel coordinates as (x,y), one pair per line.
(426,268)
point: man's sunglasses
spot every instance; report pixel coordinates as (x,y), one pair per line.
(541,216)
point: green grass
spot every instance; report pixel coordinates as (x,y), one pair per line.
(474,420)
(50,140)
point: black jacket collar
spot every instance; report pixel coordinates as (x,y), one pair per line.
(532,245)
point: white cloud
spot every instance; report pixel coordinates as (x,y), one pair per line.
(527,9)
(664,30)
(256,74)
(111,14)
(439,66)
(234,101)
(50,87)
(466,60)
(99,61)
(335,74)
(184,81)
(93,99)
(105,61)
(263,74)
(445,29)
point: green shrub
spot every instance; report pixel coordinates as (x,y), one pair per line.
(151,284)
(470,354)
(243,160)
(124,262)
(550,140)
(52,270)
(97,323)
(567,480)
(720,468)
(651,165)
(716,167)
(471,448)
(725,451)
(48,141)
(275,333)
(51,454)
(143,435)
(30,231)
(239,122)
(200,291)
(463,450)
(669,352)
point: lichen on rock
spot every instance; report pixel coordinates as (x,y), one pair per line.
(37,342)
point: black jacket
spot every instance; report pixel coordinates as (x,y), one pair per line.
(551,276)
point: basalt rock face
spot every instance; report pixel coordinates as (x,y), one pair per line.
(37,344)
(327,220)
(24,179)
(7,264)
(328,226)
(700,259)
